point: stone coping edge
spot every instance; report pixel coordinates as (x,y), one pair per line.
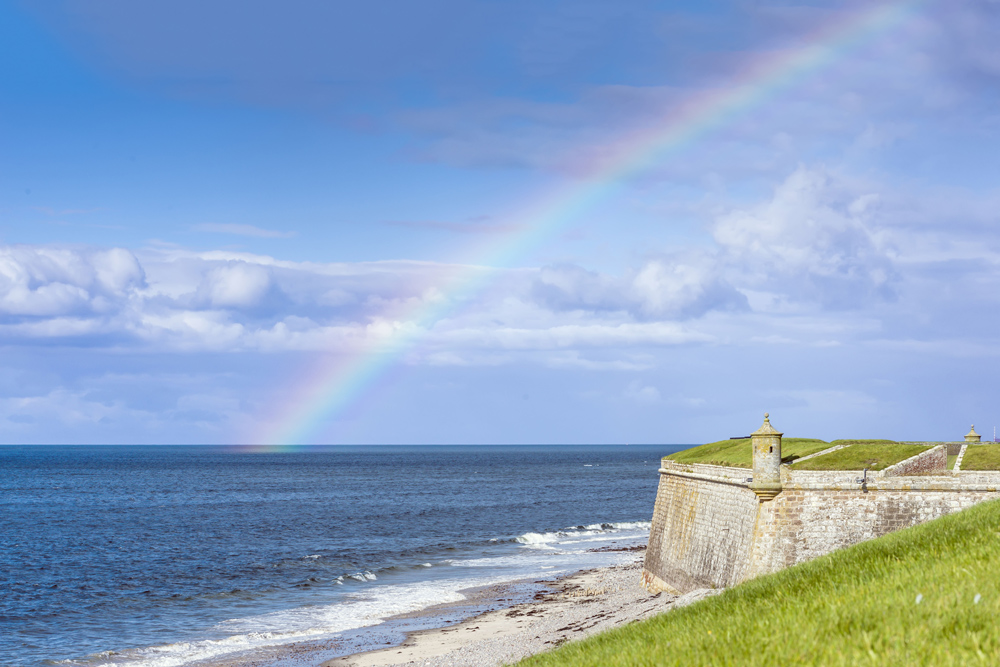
(828,450)
(943,483)
(958,459)
(704,478)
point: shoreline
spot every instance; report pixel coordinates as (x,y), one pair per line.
(493,626)
(572,607)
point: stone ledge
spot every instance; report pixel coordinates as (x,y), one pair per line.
(707,470)
(828,450)
(843,480)
(707,478)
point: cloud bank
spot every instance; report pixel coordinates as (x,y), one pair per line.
(822,266)
(818,247)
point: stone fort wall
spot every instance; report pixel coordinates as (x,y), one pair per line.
(710,530)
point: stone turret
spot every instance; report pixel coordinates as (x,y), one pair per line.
(972,436)
(766,442)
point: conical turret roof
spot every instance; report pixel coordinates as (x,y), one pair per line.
(972,432)
(767,429)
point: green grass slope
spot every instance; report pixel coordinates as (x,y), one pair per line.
(737,453)
(875,455)
(909,598)
(981,457)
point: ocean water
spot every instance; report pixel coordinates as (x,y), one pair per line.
(166,556)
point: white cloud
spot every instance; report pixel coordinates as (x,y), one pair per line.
(40,330)
(123,408)
(235,284)
(62,406)
(53,281)
(236,301)
(192,330)
(810,241)
(117,270)
(677,287)
(686,286)
(781,271)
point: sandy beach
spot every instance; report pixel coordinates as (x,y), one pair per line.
(565,609)
(573,608)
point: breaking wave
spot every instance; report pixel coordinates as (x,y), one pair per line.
(590,532)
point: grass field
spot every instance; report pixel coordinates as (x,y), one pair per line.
(859,454)
(875,455)
(738,453)
(928,595)
(981,457)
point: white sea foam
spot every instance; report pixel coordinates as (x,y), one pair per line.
(537,538)
(314,622)
(576,534)
(534,555)
(565,551)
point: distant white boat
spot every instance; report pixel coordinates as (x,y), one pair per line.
(587,465)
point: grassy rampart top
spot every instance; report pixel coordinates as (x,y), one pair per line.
(854,454)
(981,457)
(737,453)
(927,595)
(859,454)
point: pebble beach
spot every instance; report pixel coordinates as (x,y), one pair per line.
(574,607)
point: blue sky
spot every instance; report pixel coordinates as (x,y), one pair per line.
(201,202)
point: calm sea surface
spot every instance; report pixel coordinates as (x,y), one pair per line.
(169,555)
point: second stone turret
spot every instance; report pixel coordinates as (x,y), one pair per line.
(766,442)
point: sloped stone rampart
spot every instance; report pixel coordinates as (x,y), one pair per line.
(932,462)
(711,531)
(702,530)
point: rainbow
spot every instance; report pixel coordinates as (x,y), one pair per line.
(338,384)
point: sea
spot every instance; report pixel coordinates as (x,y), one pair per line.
(157,556)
